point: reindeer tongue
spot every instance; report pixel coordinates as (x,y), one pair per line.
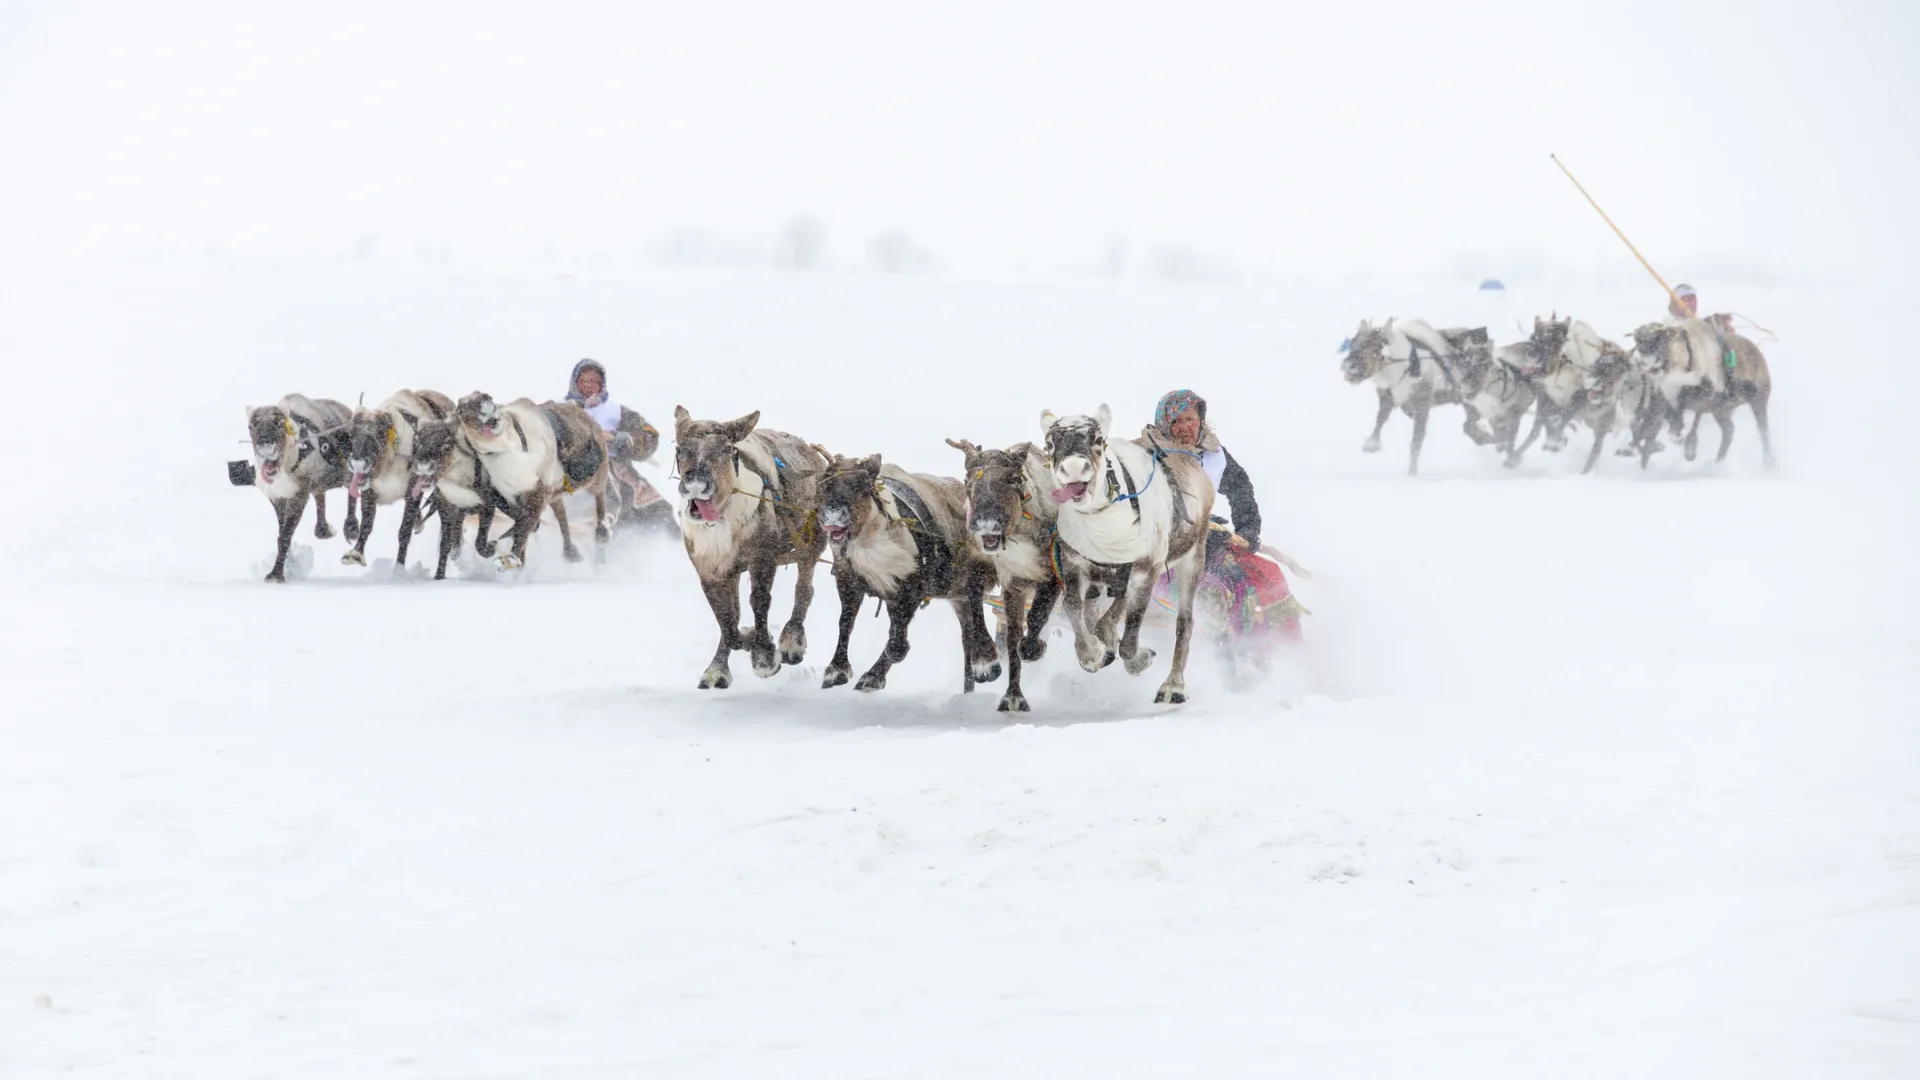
(354,484)
(1063,495)
(419,486)
(706,509)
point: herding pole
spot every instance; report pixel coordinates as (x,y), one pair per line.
(1671,295)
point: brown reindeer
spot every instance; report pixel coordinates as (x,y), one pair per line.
(1015,529)
(535,456)
(297,452)
(380,464)
(1676,354)
(902,537)
(445,467)
(747,510)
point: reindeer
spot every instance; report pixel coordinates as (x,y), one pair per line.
(446,467)
(379,461)
(748,511)
(1612,395)
(1494,383)
(1688,362)
(901,537)
(1412,368)
(1018,534)
(1560,355)
(1129,511)
(297,452)
(535,456)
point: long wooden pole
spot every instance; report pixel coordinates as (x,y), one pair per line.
(1671,295)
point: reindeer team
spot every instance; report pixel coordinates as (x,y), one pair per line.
(1078,514)
(1078,518)
(1566,373)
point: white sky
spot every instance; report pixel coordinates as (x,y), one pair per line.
(1327,136)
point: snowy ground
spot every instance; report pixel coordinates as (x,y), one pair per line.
(1606,776)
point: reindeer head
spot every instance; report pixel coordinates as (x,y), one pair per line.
(1602,381)
(480,416)
(434,444)
(997,491)
(1650,345)
(705,456)
(275,440)
(1366,351)
(847,495)
(1549,337)
(370,438)
(1076,452)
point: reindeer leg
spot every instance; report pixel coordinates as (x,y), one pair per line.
(793,636)
(900,612)
(1139,594)
(289,512)
(1723,418)
(526,519)
(1759,404)
(1372,445)
(353,526)
(1034,645)
(766,660)
(723,597)
(1091,651)
(983,659)
(1418,409)
(320,527)
(558,503)
(357,554)
(1015,598)
(602,524)
(1472,426)
(1599,437)
(1693,434)
(1539,421)
(409,522)
(852,594)
(1186,578)
(452,523)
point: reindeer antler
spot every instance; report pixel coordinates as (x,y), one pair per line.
(964,446)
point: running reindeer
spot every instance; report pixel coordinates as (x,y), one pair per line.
(1148,513)
(380,445)
(534,456)
(1017,533)
(1702,366)
(297,452)
(1412,368)
(748,511)
(901,537)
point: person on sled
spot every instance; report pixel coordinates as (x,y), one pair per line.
(1255,588)
(633,440)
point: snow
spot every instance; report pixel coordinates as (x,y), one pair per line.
(1593,776)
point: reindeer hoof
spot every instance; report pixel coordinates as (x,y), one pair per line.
(1170,696)
(1014,701)
(324,531)
(870,682)
(1141,660)
(277,577)
(793,646)
(1033,649)
(1371,446)
(836,676)
(572,553)
(353,557)
(716,678)
(766,664)
(352,528)
(508,561)
(986,671)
